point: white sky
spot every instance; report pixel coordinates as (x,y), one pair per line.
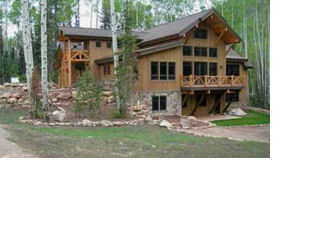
(85,10)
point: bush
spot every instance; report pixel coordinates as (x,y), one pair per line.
(89,96)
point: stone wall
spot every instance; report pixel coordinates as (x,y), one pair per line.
(144,106)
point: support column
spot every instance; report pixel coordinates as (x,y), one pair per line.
(69,63)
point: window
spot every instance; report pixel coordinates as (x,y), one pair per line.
(106,70)
(201,34)
(163,71)
(200,68)
(203,101)
(213,69)
(171,71)
(187,68)
(233,97)
(187,50)
(165,68)
(200,51)
(154,70)
(98,44)
(109,44)
(233,70)
(159,103)
(213,52)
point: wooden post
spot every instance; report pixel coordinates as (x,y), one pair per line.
(191,80)
(181,80)
(220,36)
(69,63)
(205,80)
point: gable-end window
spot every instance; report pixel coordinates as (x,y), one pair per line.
(213,69)
(187,50)
(171,71)
(187,68)
(154,70)
(203,101)
(159,103)
(200,68)
(163,71)
(233,70)
(200,51)
(98,44)
(213,52)
(200,33)
(106,69)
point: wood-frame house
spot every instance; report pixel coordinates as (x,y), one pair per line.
(184,67)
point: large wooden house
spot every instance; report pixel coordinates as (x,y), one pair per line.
(185,67)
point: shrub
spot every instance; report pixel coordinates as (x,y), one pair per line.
(89,96)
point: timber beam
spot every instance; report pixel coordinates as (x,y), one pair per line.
(220,36)
(198,103)
(229,49)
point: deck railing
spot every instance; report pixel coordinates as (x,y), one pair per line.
(78,55)
(212,81)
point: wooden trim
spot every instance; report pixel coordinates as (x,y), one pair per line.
(220,37)
(229,49)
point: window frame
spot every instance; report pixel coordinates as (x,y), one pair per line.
(232,72)
(189,63)
(216,67)
(98,42)
(216,51)
(167,75)
(173,75)
(105,69)
(198,33)
(190,48)
(200,52)
(151,68)
(159,107)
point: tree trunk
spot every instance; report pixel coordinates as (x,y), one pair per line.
(28,51)
(44,52)
(115,51)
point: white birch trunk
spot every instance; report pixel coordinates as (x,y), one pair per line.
(28,51)
(115,50)
(91,13)
(44,52)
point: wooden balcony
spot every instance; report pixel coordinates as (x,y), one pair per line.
(192,82)
(78,55)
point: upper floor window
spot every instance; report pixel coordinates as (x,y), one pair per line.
(200,51)
(200,33)
(213,69)
(187,50)
(187,68)
(233,70)
(163,70)
(213,52)
(98,44)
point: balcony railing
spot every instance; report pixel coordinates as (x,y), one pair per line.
(78,55)
(212,81)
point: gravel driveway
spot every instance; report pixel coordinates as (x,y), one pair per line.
(9,149)
(243,133)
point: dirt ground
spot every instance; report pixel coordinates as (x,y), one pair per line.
(9,149)
(243,133)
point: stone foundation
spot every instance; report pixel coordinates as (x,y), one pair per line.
(174,103)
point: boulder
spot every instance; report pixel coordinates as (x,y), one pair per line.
(87,123)
(237,112)
(74,94)
(2,87)
(12,100)
(16,95)
(185,123)
(24,88)
(7,84)
(165,123)
(110,100)
(6,95)
(106,123)
(64,96)
(54,99)
(137,108)
(59,115)
(107,93)
(191,118)
(118,123)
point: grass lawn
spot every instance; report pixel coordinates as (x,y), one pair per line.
(135,141)
(252,118)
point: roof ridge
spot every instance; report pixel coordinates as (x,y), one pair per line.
(85,28)
(180,18)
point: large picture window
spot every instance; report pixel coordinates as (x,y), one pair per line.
(200,33)
(233,70)
(159,103)
(200,51)
(187,68)
(187,50)
(213,69)
(200,68)
(163,71)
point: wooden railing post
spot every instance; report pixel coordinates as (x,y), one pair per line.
(191,80)
(181,80)
(232,80)
(205,80)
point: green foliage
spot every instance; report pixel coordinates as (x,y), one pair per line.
(89,97)
(252,118)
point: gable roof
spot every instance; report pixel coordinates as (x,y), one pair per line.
(172,29)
